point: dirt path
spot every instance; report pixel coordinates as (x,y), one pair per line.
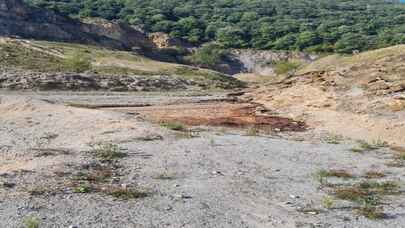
(198,177)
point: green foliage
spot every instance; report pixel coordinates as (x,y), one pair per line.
(31,222)
(284,67)
(315,25)
(107,152)
(209,55)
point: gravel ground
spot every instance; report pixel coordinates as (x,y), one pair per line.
(211,178)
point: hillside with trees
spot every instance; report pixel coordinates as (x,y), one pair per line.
(310,25)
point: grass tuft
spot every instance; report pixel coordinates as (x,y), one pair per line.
(125,193)
(31,222)
(107,152)
(174,126)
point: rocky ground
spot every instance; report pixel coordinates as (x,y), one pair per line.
(74,160)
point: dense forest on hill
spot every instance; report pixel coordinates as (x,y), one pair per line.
(310,25)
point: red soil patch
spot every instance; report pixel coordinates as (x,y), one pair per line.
(217,114)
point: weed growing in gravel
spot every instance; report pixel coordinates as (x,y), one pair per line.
(31,222)
(41,190)
(174,126)
(82,188)
(374,175)
(332,139)
(368,194)
(125,193)
(372,212)
(364,146)
(107,152)
(94,176)
(335,173)
(328,202)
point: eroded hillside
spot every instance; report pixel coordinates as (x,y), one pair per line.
(360,96)
(50,65)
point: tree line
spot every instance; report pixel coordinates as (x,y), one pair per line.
(307,25)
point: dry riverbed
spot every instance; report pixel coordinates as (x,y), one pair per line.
(81,160)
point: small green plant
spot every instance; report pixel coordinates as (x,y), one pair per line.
(328,202)
(372,212)
(374,175)
(82,188)
(332,139)
(107,152)
(353,194)
(31,222)
(364,146)
(125,193)
(335,173)
(174,126)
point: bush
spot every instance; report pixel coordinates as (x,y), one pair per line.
(209,55)
(284,67)
(78,62)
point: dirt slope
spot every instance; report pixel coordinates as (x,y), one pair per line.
(360,96)
(37,62)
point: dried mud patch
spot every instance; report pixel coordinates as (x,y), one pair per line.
(223,114)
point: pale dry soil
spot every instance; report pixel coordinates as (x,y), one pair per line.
(213,177)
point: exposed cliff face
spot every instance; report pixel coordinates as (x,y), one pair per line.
(21,20)
(261,62)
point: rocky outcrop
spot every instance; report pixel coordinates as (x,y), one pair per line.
(84,82)
(261,62)
(20,20)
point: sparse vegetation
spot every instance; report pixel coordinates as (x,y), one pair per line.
(77,62)
(334,173)
(174,126)
(332,139)
(368,195)
(125,193)
(328,202)
(31,222)
(82,188)
(364,146)
(284,67)
(107,152)
(372,212)
(374,175)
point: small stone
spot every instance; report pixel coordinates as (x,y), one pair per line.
(312,212)
(8,185)
(294,197)
(181,196)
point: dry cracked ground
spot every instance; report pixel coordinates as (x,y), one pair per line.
(185,160)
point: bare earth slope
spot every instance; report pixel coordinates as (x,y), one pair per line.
(360,96)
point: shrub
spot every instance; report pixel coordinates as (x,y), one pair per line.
(284,67)
(208,55)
